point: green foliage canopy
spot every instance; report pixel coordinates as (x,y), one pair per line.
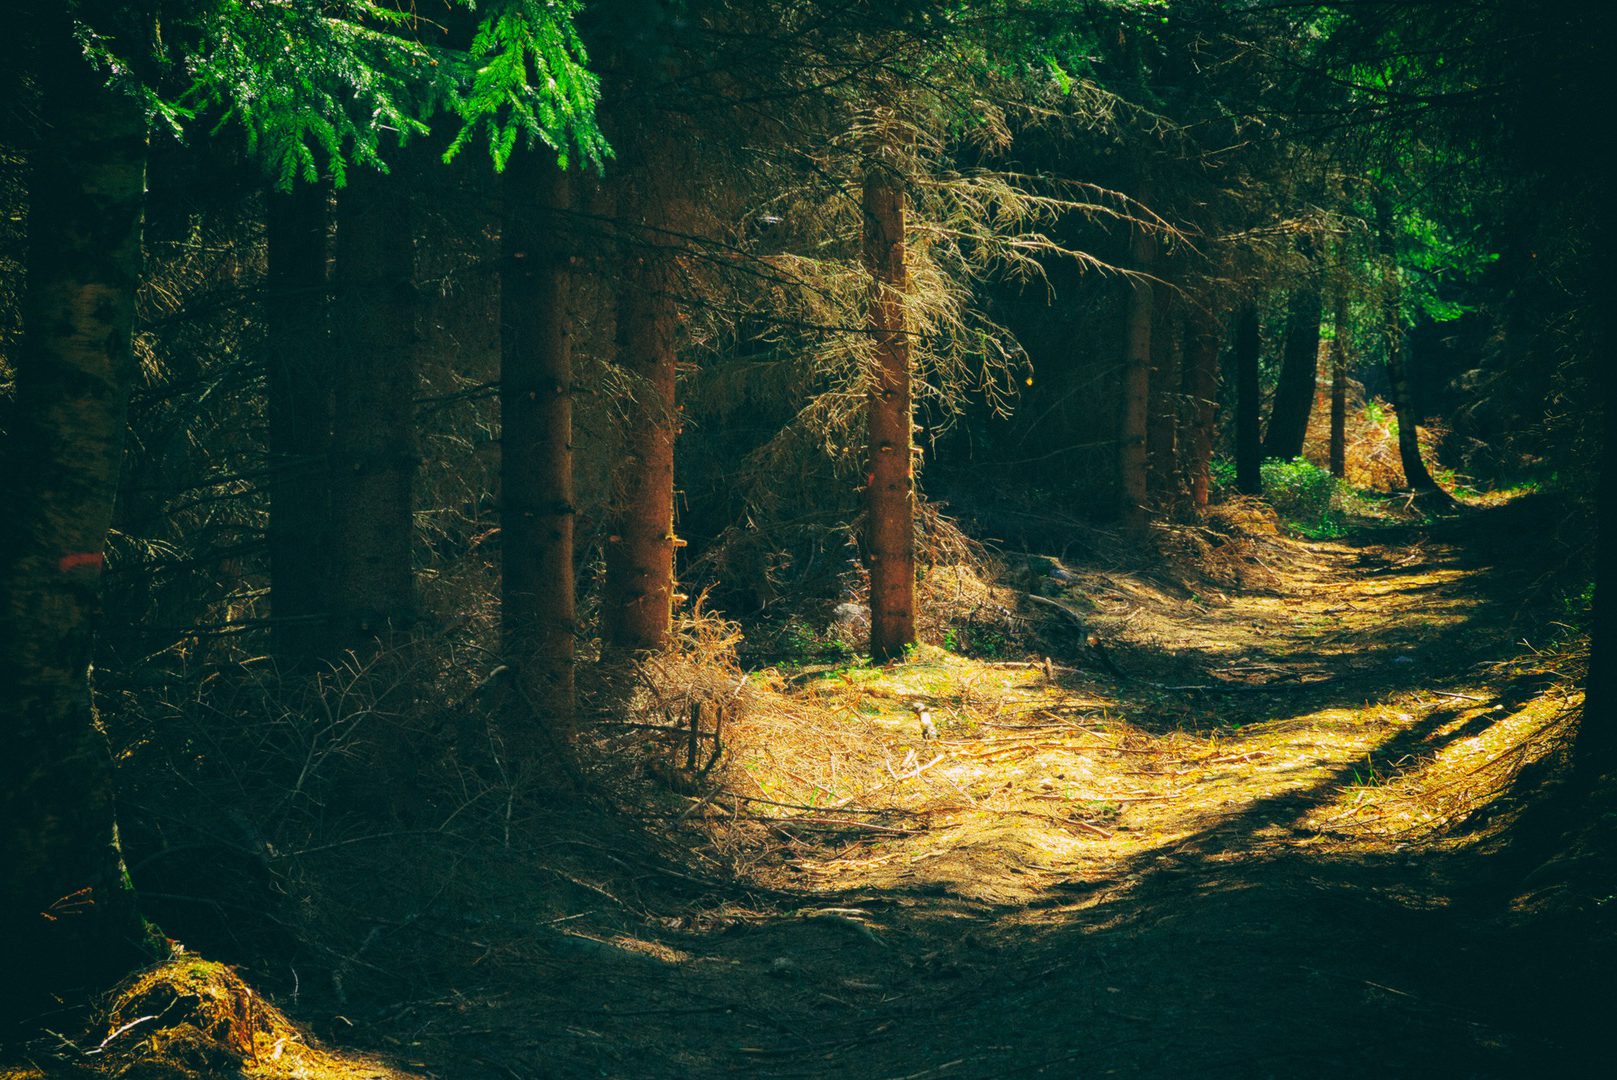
(321,85)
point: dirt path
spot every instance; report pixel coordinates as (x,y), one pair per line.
(1263,854)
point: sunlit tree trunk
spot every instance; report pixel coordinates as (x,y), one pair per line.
(1163,423)
(299,407)
(890,483)
(1339,362)
(1299,375)
(1132,435)
(538,611)
(638,597)
(67,914)
(1248,447)
(374,455)
(1201,388)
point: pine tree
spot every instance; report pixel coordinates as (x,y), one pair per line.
(637,604)
(1132,433)
(1299,374)
(1339,362)
(1248,444)
(1162,425)
(373,451)
(537,605)
(67,915)
(890,483)
(1201,332)
(300,415)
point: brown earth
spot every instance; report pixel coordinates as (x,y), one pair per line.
(1288,843)
(1291,840)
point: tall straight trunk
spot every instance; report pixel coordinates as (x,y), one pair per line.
(1594,753)
(1415,474)
(1299,376)
(1339,361)
(638,598)
(890,486)
(373,454)
(1132,435)
(299,406)
(537,606)
(1162,424)
(1248,446)
(1201,388)
(67,914)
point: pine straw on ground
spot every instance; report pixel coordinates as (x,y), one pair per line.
(1049,769)
(1372,461)
(189,1019)
(1225,862)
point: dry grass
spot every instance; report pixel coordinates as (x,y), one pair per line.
(1041,770)
(189,1019)
(1371,461)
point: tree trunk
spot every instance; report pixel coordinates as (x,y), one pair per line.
(537,612)
(1594,753)
(638,600)
(1162,425)
(299,406)
(67,911)
(1415,474)
(1201,387)
(374,453)
(1248,448)
(1339,361)
(1299,376)
(890,482)
(1409,454)
(1132,436)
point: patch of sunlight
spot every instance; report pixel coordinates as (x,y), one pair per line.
(1448,777)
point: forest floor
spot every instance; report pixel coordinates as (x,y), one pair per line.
(1289,842)
(1289,839)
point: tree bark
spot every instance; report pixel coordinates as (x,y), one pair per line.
(1248,448)
(1415,474)
(890,481)
(1132,436)
(300,414)
(638,598)
(1201,387)
(1162,425)
(1594,753)
(1339,362)
(1299,375)
(67,912)
(374,455)
(538,610)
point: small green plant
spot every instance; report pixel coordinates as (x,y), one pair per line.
(1377,412)
(983,642)
(800,643)
(1577,606)
(1371,777)
(1305,497)
(1222,474)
